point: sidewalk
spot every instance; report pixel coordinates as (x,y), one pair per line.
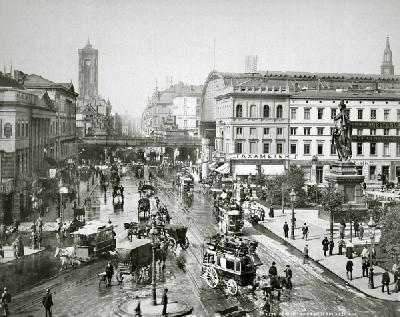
(335,263)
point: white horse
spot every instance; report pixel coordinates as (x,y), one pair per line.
(67,256)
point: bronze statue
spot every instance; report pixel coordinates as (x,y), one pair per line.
(342,134)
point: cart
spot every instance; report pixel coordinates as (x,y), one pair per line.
(78,221)
(230,260)
(230,221)
(135,259)
(176,235)
(94,239)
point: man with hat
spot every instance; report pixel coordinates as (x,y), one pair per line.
(5,300)
(289,274)
(272,270)
(47,302)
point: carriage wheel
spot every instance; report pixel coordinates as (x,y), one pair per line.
(186,244)
(172,244)
(211,277)
(232,287)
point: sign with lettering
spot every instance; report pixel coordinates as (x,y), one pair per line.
(7,130)
(7,187)
(52,172)
(376,138)
(7,165)
(263,156)
(375,124)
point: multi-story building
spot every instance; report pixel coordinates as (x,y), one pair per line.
(25,135)
(186,113)
(63,126)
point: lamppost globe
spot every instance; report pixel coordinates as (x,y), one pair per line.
(293,196)
(371,226)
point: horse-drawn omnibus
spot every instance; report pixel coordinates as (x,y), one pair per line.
(94,239)
(231,260)
(230,220)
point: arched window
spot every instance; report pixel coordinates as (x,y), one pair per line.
(253,111)
(18,128)
(23,128)
(27,129)
(279,111)
(239,111)
(266,111)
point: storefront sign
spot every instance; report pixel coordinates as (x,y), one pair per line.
(63,190)
(52,172)
(7,187)
(376,138)
(7,165)
(7,130)
(375,124)
(263,156)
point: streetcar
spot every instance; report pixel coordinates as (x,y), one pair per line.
(94,239)
(230,220)
(230,260)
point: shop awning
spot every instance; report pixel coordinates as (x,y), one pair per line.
(273,169)
(245,170)
(224,169)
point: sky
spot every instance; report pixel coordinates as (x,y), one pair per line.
(141,42)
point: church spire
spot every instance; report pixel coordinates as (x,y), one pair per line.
(387,67)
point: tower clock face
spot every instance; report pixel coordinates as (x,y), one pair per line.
(87,62)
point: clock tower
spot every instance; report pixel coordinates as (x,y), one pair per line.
(88,72)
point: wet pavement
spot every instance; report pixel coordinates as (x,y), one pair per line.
(77,293)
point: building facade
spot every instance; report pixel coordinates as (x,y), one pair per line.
(25,120)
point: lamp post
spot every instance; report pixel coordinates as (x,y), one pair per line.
(371,227)
(154,234)
(293,200)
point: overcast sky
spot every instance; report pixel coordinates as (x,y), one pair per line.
(141,41)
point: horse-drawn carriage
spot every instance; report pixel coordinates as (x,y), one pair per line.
(175,235)
(93,239)
(232,260)
(78,221)
(138,169)
(118,197)
(143,209)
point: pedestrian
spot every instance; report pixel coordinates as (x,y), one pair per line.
(137,309)
(397,280)
(289,274)
(271,212)
(356,227)
(325,245)
(164,302)
(331,246)
(109,273)
(47,302)
(262,214)
(364,252)
(272,270)
(342,229)
(39,223)
(305,254)
(385,281)
(365,266)
(1,251)
(349,269)
(361,231)
(5,301)
(341,245)
(265,285)
(349,250)
(395,267)
(304,230)
(286,229)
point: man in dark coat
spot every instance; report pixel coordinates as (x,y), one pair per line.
(109,273)
(47,302)
(325,245)
(385,281)
(4,301)
(286,229)
(331,246)
(349,269)
(272,270)
(289,275)
(164,301)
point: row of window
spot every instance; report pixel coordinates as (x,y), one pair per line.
(253,111)
(360,114)
(22,129)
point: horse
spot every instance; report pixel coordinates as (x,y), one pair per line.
(67,256)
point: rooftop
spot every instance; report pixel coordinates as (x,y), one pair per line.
(6,81)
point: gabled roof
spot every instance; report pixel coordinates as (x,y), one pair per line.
(37,81)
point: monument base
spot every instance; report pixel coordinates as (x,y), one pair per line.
(349,183)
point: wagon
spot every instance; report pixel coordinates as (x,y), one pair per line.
(135,259)
(94,239)
(230,221)
(176,235)
(230,260)
(136,229)
(78,221)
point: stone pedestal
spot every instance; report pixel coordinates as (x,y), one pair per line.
(344,176)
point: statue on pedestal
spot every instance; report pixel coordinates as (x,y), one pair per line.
(342,133)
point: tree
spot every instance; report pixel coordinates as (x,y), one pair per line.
(390,232)
(375,208)
(332,202)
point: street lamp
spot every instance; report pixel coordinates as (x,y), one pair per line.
(293,200)
(154,235)
(371,227)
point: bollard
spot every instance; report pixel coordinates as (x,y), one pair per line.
(371,278)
